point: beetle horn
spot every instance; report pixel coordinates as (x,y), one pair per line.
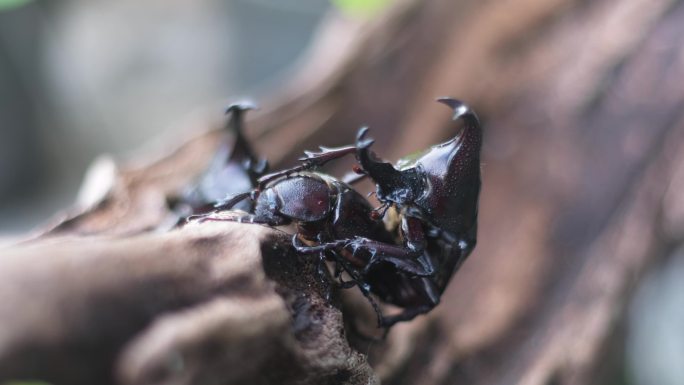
(241,106)
(369,162)
(471,137)
(242,151)
(384,174)
(236,112)
(461,157)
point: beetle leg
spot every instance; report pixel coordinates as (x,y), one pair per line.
(320,248)
(310,160)
(414,239)
(221,216)
(337,273)
(342,266)
(356,279)
(339,261)
(432,297)
(316,159)
(231,201)
(363,287)
(401,258)
(261,182)
(410,258)
(321,269)
(324,275)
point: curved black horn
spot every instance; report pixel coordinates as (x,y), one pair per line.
(471,137)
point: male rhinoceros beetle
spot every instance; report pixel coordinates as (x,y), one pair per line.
(234,168)
(436,195)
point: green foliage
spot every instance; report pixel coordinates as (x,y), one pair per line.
(361,8)
(6,5)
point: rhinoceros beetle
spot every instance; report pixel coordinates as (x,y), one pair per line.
(234,168)
(435,195)
(325,211)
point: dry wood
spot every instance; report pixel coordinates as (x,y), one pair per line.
(189,306)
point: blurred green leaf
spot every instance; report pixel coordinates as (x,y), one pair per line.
(6,5)
(361,8)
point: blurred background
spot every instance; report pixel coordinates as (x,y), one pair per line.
(583,109)
(83,78)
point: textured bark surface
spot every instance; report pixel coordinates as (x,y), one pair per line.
(216,303)
(583,173)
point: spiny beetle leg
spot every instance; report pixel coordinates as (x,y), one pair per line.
(317,159)
(409,262)
(321,269)
(356,279)
(310,160)
(317,249)
(221,216)
(403,259)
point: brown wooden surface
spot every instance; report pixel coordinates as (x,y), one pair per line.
(582,177)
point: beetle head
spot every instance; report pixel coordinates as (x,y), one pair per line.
(442,184)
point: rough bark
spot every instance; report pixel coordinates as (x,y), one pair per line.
(581,193)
